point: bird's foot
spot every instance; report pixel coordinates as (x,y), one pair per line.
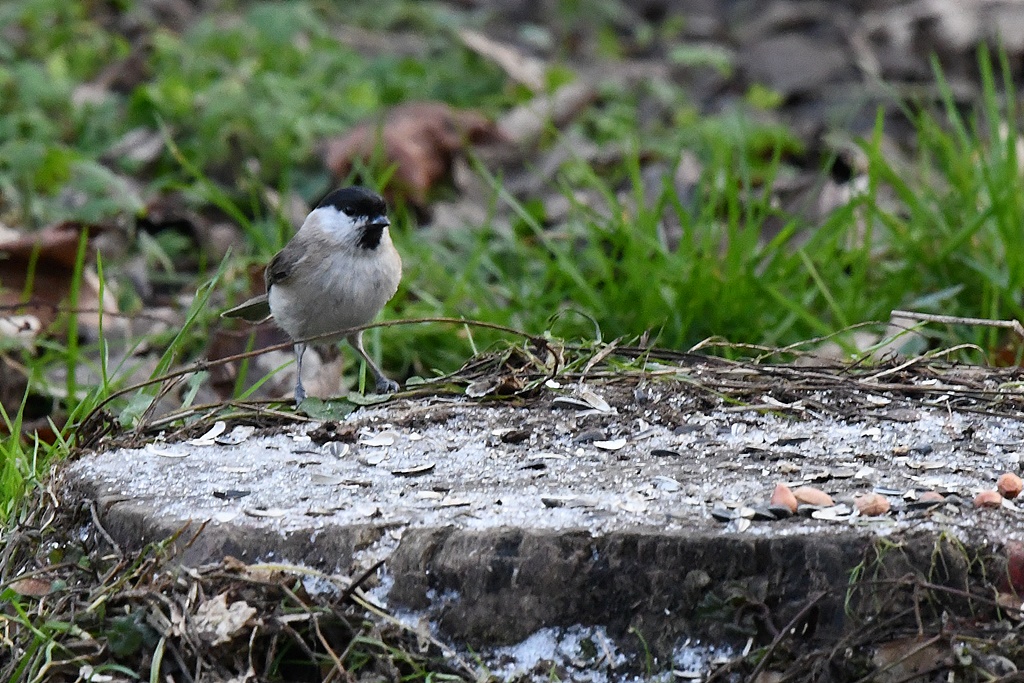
(300,394)
(386,386)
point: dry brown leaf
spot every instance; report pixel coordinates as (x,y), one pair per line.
(53,250)
(900,660)
(217,623)
(420,138)
(32,586)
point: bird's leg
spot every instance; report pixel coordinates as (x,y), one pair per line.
(384,384)
(300,392)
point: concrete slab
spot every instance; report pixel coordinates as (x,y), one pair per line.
(578,506)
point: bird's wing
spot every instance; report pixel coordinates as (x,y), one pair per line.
(284,263)
(282,266)
(255,310)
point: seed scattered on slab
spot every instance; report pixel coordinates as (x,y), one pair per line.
(1009,485)
(988,499)
(746,512)
(231,494)
(835,513)
(337,449)
(667,484)
(150,448)
(236,436)
(595,401)
(482,387)
(414,471)
(546,455)
(589,435)
(568,501)
(326,479)
(612,445)
(888,491)
(664,453)
(455,503)
(864,472)
(268,512)
(792,440)
(534,465)
(383,439)
(209,438)
(812,496)
(924,501)
(515,436)
(872,505)
(570,402)
(783,497)
(738,525)
(722,513)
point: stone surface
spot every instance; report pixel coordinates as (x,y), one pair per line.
(495,521)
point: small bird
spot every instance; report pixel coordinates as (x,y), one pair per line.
(336,273)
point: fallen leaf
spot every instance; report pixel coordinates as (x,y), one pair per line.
(32,586)
(420,138)
(48,256)
(217,623)
(901,660)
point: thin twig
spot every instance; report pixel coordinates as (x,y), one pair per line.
(960,320)
(359,581)
(102,530)
(201,365)
(782,633)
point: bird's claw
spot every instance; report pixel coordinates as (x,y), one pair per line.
(386,386)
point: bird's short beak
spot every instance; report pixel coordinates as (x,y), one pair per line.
(380,223)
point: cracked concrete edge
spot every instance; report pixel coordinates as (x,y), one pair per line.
(496,587)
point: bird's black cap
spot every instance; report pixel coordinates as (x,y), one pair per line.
(355,201)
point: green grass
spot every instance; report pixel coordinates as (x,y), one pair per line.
(242,108)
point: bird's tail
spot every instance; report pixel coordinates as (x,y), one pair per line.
(255,310)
